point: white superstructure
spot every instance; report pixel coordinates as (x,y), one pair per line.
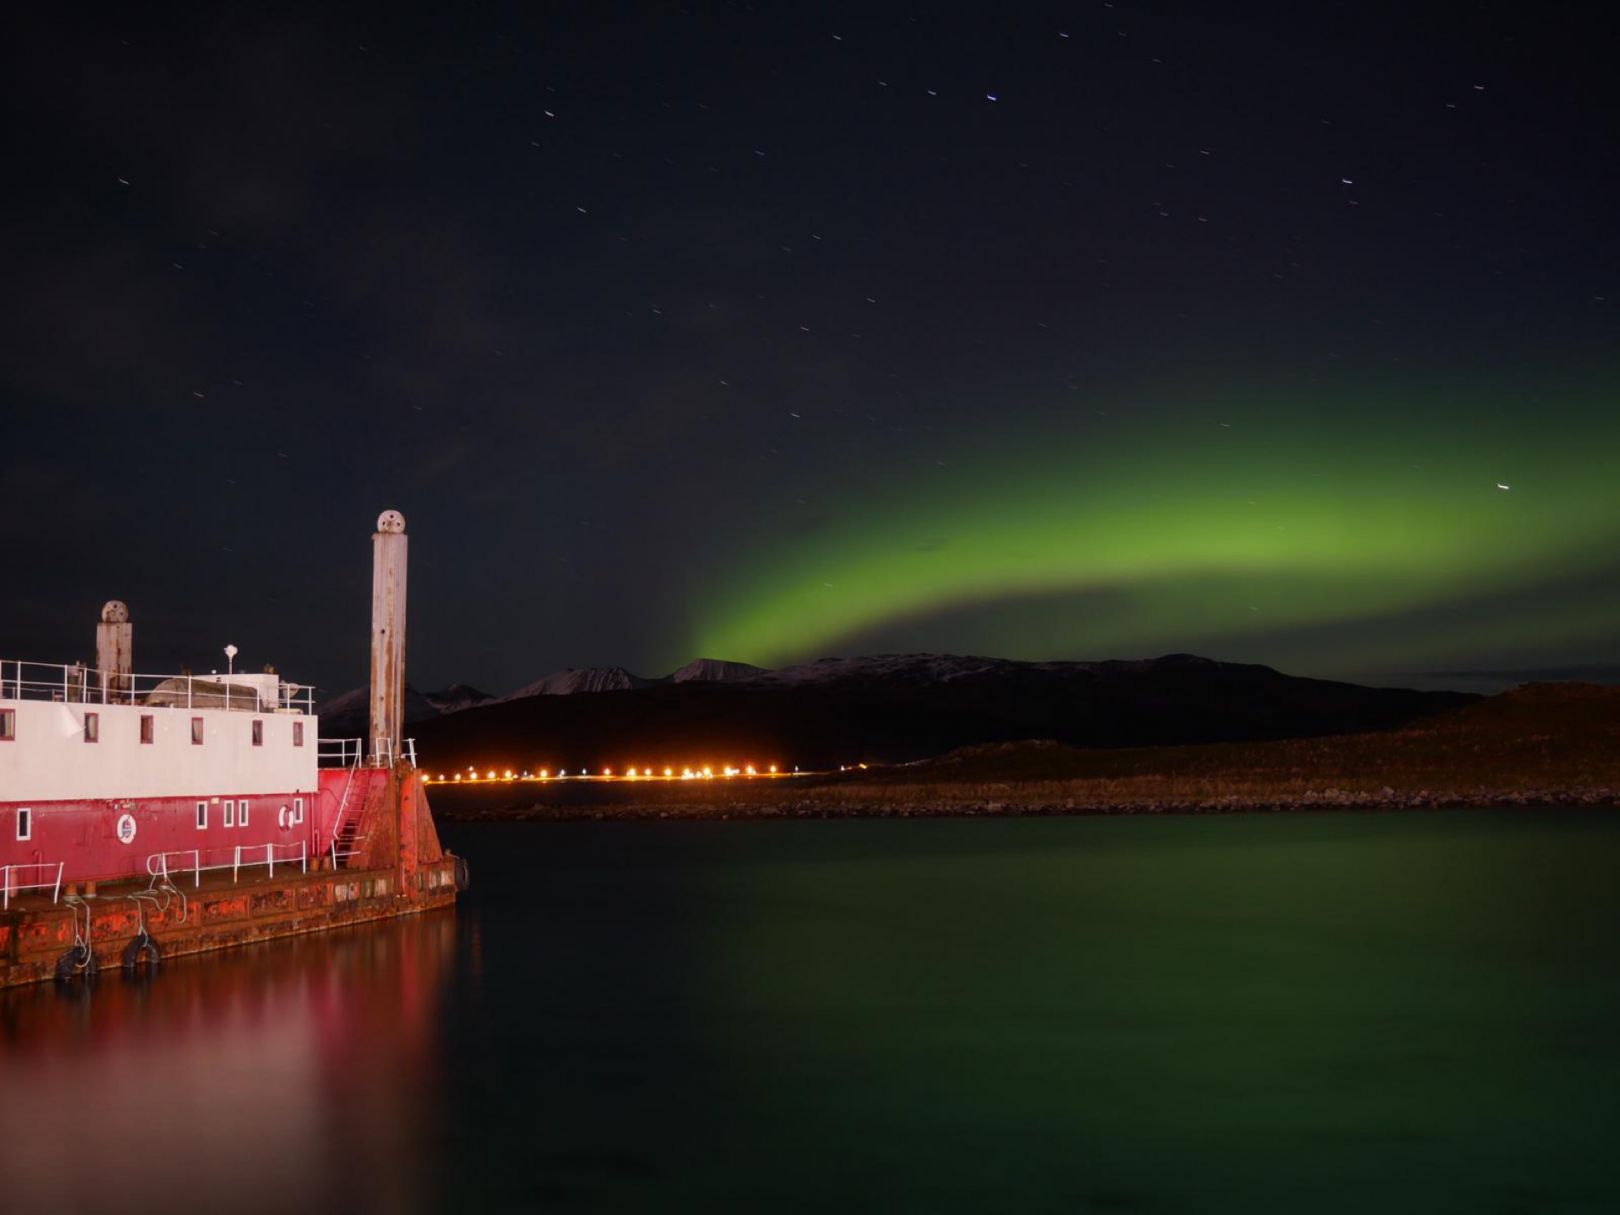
(54,751)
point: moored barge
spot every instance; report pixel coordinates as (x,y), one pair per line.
(143,817)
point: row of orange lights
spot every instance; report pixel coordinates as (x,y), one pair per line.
(706,772)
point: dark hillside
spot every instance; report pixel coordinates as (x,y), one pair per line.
(904,710)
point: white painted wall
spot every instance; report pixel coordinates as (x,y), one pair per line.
(49,760)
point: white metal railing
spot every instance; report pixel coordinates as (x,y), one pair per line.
(78,684)
(342,852)
(351,752)
(198,861)
(340,752)
(9,872)
(244,857)
(157,864)
(343,804)
(383,754)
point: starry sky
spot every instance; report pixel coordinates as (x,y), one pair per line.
(1271,332)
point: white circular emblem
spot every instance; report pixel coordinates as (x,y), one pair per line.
(126,828)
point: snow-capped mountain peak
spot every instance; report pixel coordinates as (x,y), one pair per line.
(716,670)
(581,679)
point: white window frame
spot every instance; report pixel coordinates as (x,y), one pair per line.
(8,725)
(92,727)
(242,813)
(25,822)
(202,816)
(298,733)
(256,732)
(298,809)
(230,812)
(148,730)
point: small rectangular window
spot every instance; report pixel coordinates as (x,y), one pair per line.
(8,724)
(258,734)
(241,813)
(298,809)
(196,731)
(25,824)
(92,727)
(230,813)
(202,816)
(298,733)
(147,728)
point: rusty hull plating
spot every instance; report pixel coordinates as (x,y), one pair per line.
(400,870)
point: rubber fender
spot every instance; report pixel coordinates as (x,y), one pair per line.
(80,961)
(463,874)
(144,942)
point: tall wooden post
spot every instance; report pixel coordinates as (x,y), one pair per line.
(114,650)
(388,549)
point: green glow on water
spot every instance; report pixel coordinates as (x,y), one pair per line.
(1250,1013)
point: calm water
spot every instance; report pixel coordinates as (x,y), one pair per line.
(1309,1013)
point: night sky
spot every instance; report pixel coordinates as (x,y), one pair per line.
(1280,333)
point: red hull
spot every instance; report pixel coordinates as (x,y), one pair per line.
(388,863)
(108,839)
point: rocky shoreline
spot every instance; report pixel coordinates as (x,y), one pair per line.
(1011,806)
(1541,745)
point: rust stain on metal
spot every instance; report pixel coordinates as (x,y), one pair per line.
(417,876)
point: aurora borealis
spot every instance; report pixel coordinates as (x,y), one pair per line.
(1226,521)
(763,336)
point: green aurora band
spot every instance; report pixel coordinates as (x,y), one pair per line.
(1217,521)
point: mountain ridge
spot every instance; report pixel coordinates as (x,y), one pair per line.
(898,708)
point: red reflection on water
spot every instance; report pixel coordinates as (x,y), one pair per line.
(295,1074)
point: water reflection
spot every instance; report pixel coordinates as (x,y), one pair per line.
(1325,1013)
(296,1074)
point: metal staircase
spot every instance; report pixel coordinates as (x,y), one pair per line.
(346,837)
